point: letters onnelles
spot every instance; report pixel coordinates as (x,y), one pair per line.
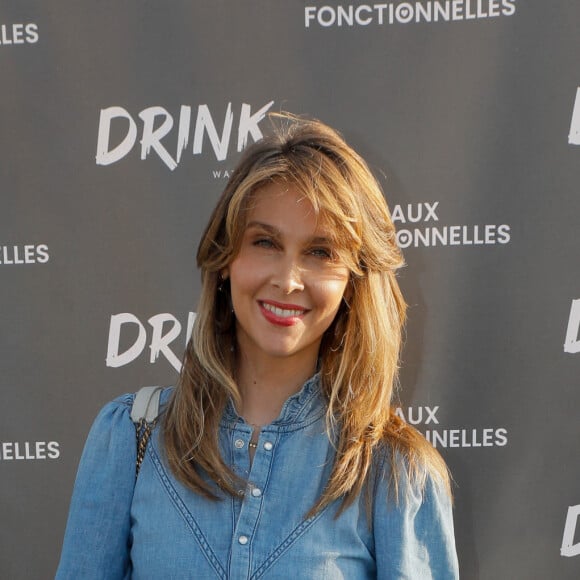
(27,254)
(488,437)
(15,450)
(18,34)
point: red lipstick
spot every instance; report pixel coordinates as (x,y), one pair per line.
(281,314)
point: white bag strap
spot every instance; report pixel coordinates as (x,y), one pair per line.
(146,404)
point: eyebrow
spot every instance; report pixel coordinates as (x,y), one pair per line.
(263,226)
(276,232)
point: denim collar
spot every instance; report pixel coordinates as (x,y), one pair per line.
(299,410)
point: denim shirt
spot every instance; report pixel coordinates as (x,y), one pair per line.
(154,527)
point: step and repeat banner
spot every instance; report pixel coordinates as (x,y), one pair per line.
(120,123)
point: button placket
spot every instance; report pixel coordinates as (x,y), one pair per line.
(239,447)
(259,474)
(251,505)
(240,464)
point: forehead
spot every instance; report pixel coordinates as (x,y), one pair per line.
(283,206)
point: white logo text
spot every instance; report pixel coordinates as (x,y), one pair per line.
(159,339)
(572,341)
(570,549)
(18,34)
(574,135)
(157,122)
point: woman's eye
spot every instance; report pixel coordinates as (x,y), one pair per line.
(321,253)
(264,243)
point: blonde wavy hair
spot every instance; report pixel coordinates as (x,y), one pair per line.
(359,353)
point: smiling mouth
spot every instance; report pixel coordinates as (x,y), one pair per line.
(282,312)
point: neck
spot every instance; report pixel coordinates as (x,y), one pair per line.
(265,385)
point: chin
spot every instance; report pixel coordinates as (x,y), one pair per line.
(280,351)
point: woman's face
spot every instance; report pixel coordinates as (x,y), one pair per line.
(286,281)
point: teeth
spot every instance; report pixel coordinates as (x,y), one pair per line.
(281,312)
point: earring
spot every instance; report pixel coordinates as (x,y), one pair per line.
(222,280)
(222,288)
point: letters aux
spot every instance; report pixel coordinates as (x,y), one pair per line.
(408,215)
(158,122)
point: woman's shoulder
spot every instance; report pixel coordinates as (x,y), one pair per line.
(116,414)
(408,461)
(413,516)
(126,400)
(111,438)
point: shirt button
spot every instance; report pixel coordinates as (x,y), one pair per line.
(268,446)
(256,492)
(243,540)
(239,443)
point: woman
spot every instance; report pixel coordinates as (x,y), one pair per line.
(278,454)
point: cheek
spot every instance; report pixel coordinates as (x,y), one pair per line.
(245,276)
(329,293)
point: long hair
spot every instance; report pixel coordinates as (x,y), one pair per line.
(359,353)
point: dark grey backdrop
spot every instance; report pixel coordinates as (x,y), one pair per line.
(470,116)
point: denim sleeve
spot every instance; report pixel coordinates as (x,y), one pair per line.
(414,537)
(96,542)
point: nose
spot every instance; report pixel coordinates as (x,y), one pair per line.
(288,276)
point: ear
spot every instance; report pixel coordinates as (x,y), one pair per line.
(225,274)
